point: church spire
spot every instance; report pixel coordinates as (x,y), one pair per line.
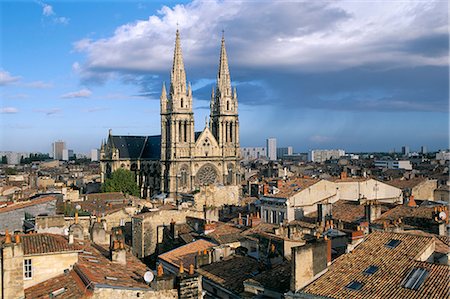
(178,75)
(223,77)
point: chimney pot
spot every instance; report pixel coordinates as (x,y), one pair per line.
(7,237)
(17,239)
(160,270)
(181,268)
(191,269)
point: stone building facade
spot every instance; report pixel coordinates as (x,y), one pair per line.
(180,159)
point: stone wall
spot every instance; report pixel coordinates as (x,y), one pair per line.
(42,271)
(217,196)
(424,190)
(145,226)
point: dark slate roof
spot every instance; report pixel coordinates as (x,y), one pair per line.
(197,134)
(138,147)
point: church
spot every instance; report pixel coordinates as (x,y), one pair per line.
(181,160)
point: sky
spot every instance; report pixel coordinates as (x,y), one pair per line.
(357,75)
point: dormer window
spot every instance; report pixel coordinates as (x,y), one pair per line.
(392,243)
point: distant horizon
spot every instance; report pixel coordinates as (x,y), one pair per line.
(363,77)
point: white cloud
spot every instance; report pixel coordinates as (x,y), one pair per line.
(6,78)
(314,36)
(83,93)
(47,10)
(8,110)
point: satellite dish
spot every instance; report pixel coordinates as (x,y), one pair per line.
(442,215)
(148,276)
(78,207)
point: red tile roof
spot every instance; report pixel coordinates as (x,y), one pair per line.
(186,253)
(293,186)
(94,266)
(70,282)
(394,264)
(45,244)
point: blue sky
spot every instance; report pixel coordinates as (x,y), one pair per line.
(362,76)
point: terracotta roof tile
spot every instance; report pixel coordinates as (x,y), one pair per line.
(231,272)
(293,186)
(94,266)
(28,203)
(404,184)
(45,244)
(394,264)
(186,254)
(70,282)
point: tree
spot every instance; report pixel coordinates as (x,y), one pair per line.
(121,181)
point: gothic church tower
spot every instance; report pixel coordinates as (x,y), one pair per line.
(177,123)
(224,118)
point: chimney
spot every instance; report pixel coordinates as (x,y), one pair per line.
(343,175)
(308,262)
(265,189)
(372,211)
(328,240)
(12,267)
(240,219)
(70,237)
(279,184)
(118,252)
(412,202)
(323,212)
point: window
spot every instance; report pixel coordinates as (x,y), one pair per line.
(27,269)
(354,285)
(371,270)
(415,278)
(392,243)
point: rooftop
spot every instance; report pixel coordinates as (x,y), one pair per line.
(186,254)
(404,183)
(231,272)
(68,285)
(28,203)
(346,277)
(293,186)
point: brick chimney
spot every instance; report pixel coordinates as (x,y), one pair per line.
(343,175)
(308,262)
(11,262)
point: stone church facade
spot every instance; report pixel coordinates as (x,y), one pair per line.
(180,159)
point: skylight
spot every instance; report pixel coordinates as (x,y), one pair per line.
(392,243)
(354,285)
(415,278)
(371,270)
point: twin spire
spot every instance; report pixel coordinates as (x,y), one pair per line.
(178,87)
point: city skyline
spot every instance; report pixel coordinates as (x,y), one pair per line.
(306,74)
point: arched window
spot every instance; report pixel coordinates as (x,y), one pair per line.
(181,102)
(185,131)
(228,105)
(184,177)
(230,174)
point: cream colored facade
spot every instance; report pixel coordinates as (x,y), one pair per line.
(186,160)
(370,189)
(42,271)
